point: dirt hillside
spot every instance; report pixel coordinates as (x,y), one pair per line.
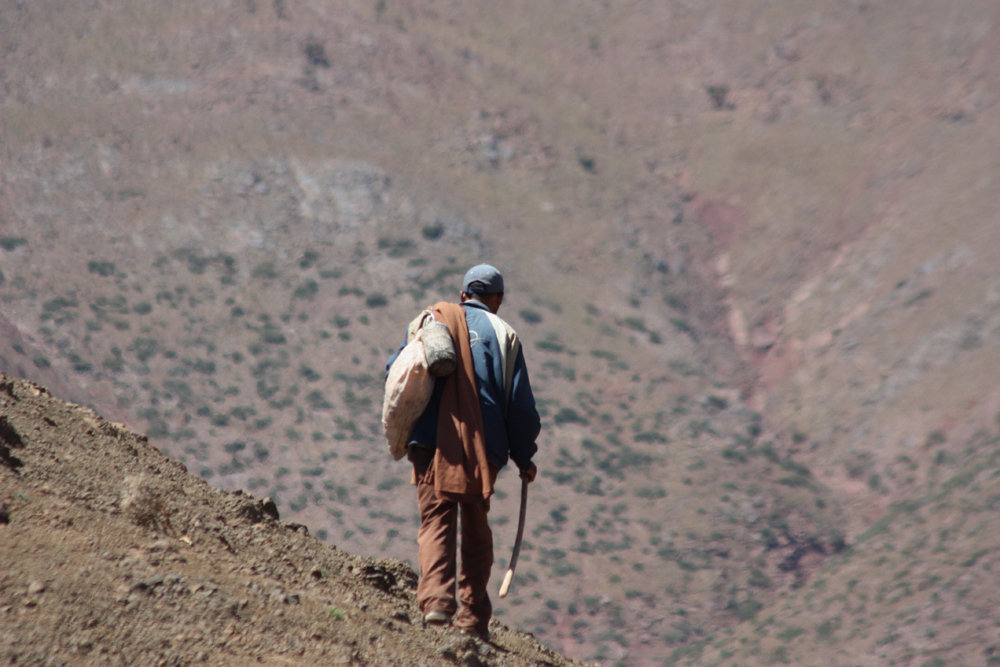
(114,554)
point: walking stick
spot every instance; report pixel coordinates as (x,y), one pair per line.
(517,542)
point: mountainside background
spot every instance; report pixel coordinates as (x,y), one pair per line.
(750,248)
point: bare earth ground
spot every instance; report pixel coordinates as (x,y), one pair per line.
(114,554)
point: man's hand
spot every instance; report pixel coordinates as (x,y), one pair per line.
(528,474)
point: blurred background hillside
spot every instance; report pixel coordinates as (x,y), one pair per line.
(750,247)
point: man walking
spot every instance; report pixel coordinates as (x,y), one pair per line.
(478,418)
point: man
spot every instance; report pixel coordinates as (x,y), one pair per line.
(478,418)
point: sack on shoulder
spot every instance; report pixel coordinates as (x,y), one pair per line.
(408,389)
(428,354)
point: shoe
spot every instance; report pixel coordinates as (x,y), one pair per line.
(436,618)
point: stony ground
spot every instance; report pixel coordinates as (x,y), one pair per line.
(115,554)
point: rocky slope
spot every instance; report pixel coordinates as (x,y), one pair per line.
(114,553)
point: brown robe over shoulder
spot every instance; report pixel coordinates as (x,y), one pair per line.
(461,470)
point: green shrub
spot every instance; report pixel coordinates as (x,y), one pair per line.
(719,95)
(745,610)
(530,316)
(272,335)
(591,488)
(734,454)
(433,231)
(376,300)
(568,416)
(53,309)
(12,242)
(935,438)
(266,391)
(683,326)
(101,268)
(561,477)
(80,364)
(558,370)
(875,481)
(308,373)
(317,400)
(796,468)
(307,290)
(242,412)
(564,568)
(180,389)
(264,270)
(204,366)
(144,348)
(715,403)
(308,258)
(396,247)
(758,579)
(389,484)
(683,367)
(114,363)
(550,346)
(635,323)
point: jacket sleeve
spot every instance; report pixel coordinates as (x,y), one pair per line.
(523,423)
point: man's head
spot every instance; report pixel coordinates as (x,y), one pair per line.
(483,283)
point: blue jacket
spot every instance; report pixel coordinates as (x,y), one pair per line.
(507,437)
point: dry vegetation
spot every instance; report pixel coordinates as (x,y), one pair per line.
(750,250)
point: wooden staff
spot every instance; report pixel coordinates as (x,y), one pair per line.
(517,542)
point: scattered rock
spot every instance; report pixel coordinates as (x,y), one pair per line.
(9,439)
(255,510)
(9,434)
(389,576)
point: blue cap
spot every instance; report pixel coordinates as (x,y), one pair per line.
(483,279)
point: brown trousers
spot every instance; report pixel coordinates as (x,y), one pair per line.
(437,546)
